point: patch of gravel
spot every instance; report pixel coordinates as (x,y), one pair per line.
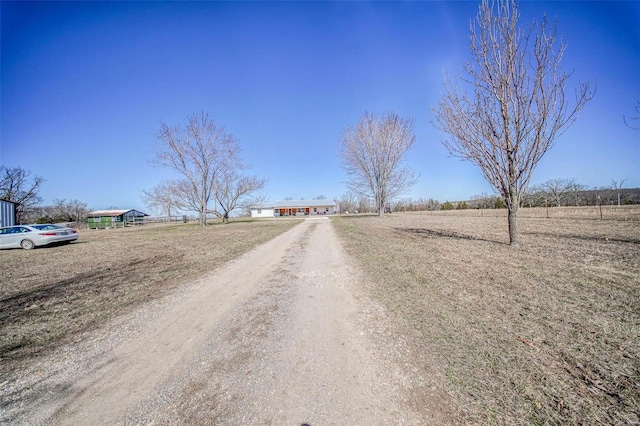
(31,395)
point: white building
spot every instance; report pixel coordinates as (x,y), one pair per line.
(294,208)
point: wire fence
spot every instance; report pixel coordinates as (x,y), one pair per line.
(607,212)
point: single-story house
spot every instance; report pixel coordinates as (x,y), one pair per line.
(293,208)
(7,213)
(101,219)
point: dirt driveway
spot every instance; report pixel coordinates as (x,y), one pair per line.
(282,335)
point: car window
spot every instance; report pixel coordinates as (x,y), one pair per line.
(46,227)
(19,230)
(4,230)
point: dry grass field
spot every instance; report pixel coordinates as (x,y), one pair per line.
(50,295)
(544,333)
(630,212)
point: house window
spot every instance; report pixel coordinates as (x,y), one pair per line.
(259,211)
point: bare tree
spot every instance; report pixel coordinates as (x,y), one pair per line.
(200,152)
(251,201)
(557,189)
(364,205)
(372,154)
(402,205)
(517,108)
(78,210)
(61,211)
(233,190)
(432,205)
(617,186)
(69,211)
(577,189)
(17,186)
(163,198)
(348,202)
(482,201)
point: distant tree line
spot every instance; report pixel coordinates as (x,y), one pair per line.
(568,192)
(351,202)
(552,193)
(61,211)
(482,201)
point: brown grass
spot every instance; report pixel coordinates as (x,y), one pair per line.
(49,295)
(629,212)
(547,332)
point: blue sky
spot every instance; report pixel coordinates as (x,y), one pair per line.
(84,86)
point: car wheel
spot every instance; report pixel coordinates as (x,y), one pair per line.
(27,244)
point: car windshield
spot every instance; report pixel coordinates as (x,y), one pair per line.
(46,227)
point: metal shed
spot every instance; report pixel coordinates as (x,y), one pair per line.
(102,219)
(7,213)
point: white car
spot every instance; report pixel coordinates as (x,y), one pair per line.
(31,236)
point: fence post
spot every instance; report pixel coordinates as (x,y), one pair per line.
(600,206)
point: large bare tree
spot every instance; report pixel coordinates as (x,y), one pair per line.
(233,190)
(373,153)
(517,107)
(201,151)
(17,185)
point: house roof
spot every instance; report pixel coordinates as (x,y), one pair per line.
(114,212)
(7,201)
(295,203)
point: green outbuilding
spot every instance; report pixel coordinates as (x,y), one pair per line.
(102,219)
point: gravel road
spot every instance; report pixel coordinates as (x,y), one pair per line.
(282,335)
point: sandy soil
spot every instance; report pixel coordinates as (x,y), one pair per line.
(282,335)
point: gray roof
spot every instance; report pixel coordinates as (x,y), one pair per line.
(295,203)
(115,212)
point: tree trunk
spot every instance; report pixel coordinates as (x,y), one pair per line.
(203,202)
(513,229)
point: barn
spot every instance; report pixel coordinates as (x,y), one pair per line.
(101,219)
(7,213)
(293,208)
